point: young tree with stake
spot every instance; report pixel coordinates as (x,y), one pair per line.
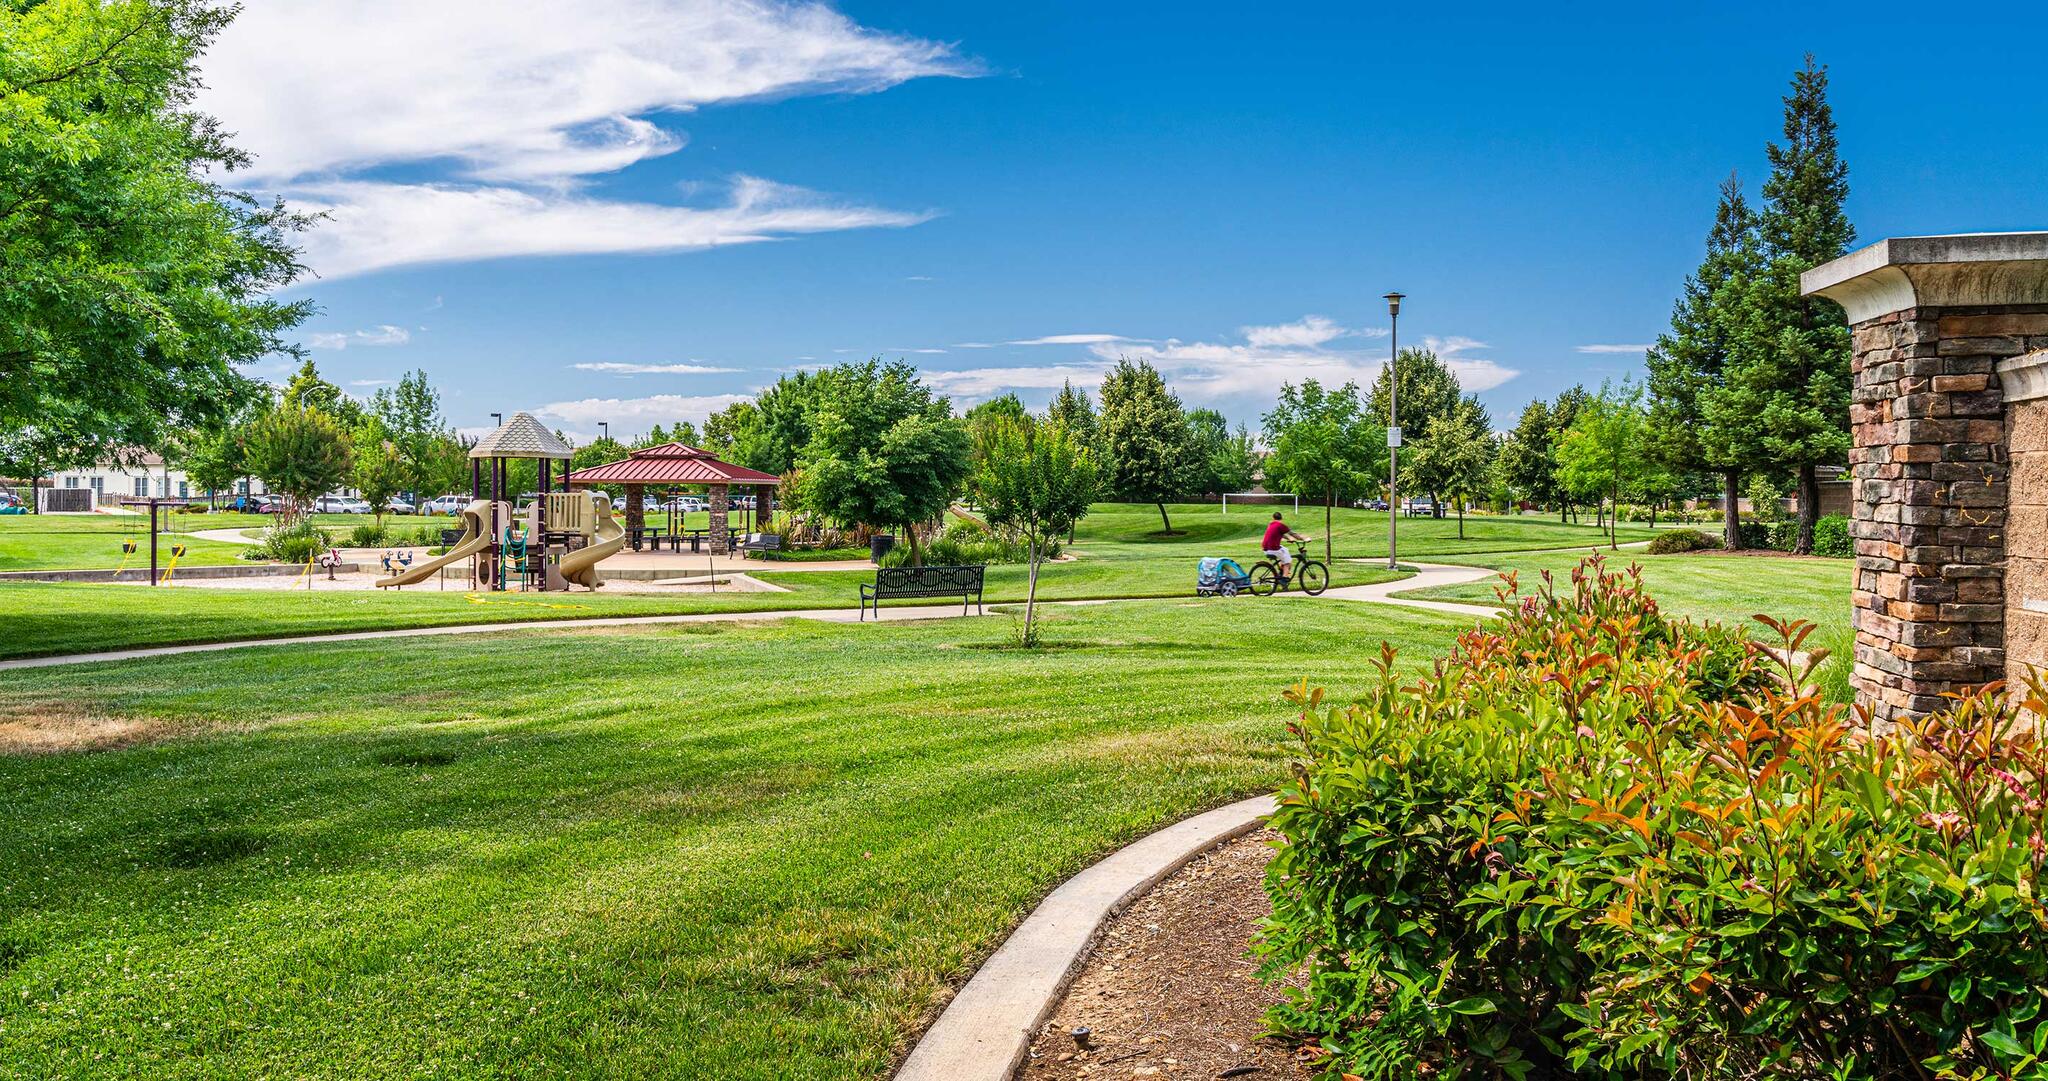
(1037,479)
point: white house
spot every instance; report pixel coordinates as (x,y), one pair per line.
(145,475)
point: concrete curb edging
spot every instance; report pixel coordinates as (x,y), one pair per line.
(986,1030)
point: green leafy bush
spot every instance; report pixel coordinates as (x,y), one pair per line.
(966,543)
(1682,540)
(368,535)
(1831,537)
(295,543)
(1600,842)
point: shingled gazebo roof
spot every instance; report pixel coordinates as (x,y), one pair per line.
(671,463)
(521,437)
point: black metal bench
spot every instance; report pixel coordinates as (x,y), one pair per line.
(765,543)
(894,582)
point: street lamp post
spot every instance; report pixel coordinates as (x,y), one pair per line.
(1393,430)
(605,426)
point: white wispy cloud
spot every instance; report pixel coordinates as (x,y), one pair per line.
(511,106)
(974,345)
(1613,348)
(370,383)
(625,413)
(1072,339)
(918,278)
(927,351)
(621,368)
(375,226)
(384,334)
(1232,372)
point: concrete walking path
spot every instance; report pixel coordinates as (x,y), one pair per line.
(986,1030)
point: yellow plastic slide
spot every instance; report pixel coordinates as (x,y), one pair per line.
(580,566)
(476,536)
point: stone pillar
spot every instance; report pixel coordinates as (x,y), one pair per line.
(636,508)
(1935,320)
(720,536)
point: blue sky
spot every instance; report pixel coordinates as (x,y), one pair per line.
(636,210)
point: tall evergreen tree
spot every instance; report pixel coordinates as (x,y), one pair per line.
(1687,430)
(1793,379)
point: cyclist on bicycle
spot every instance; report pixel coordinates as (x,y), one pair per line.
(1275,546)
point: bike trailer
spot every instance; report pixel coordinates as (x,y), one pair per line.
(1223,576)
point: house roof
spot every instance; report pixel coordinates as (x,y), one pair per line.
(521,437)
(671,463)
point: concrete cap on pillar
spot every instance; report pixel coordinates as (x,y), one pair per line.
(1965,270)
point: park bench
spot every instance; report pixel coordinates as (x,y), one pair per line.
(894,582)
(765,543)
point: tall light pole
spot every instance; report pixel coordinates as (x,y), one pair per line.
(1393,430)
(605,426)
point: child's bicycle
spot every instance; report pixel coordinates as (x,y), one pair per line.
(1313,577)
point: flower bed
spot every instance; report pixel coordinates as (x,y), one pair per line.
(1597,841)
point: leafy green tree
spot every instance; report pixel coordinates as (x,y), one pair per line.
(884,450)
(738,435)
(300,454)
(1072,409)
(1602,451)
(1429,392)
(377,468)
(1526,464)
(1431,462)
(985,419)
(133,281)
(1564,412)
(33,451)
(598,452)
(214,460)
(446,465)
(410,414)
(1455,458)
(1793,378)
(1037,479)
(1145,441)
(1223,461)
(1325,444)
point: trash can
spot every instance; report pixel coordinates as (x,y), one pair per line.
(879,545)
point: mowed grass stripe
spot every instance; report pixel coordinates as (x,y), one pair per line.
(706,852)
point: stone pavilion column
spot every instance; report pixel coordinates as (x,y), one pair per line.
(721,501)
(1949,408)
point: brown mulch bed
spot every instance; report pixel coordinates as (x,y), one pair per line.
(1169,990)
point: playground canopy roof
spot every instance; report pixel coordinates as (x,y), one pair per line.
(521,437)
(671,463)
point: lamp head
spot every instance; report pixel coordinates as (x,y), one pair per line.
(1394,303)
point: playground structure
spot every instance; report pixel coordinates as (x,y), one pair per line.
(555,544)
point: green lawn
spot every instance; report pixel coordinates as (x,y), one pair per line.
(45,617)
(1118,554)
(1728,588)
(706,851)
(1131,530)
(64,542)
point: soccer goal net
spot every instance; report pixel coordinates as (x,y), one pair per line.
(1261,498)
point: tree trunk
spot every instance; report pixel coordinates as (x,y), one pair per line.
(35,503)
(1809,507)
(1731,512)
(1165,523)
(1329,497)
(1614,519)
(1031,595)
(1461,518)
(1564,512)
(1653,514)
(916,551)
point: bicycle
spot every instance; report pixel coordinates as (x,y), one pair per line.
(1311,575)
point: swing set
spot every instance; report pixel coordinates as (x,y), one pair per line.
(128,547)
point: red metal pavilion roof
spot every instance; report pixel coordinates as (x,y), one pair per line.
(670,463)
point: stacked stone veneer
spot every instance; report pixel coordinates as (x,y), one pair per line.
(1933,477)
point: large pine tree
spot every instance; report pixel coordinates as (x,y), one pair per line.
(1690,430)
(1792,371)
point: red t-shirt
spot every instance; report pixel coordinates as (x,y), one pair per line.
(1275,530)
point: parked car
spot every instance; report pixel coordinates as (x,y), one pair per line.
(340,504)
(396,505)
(445,504)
